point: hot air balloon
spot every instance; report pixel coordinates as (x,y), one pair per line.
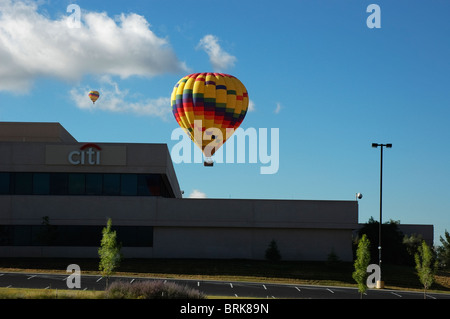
(94,95)
(209,107)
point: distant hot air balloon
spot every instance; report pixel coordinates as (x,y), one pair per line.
(209,107)
(94,95)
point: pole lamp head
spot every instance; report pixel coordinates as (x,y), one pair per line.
(388,145)
(374,145)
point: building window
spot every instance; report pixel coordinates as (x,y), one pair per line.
(4,183)
(108,184)
(150,185)
(77,184)
(111,184)
(94,184)
(41,183)
(58,183)
(72,235)
(128,185)
(23,183)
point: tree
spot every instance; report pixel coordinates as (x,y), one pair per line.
(48,234)
(361,263)
(109,252)
(443,251)
(412,243)
(425,266)
(393,249)
(272,252)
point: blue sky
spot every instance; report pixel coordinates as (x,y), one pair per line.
(313,69)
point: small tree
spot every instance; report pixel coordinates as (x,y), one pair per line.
(444,251)
(425,266)
(272,252)
(109,252)
(333,259)
(361,263)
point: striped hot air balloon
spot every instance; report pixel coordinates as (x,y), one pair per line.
(209,107)
(94,95)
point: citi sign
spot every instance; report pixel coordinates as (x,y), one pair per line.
(89,154)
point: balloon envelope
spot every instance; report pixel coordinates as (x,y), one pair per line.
(94,95)
(209,107)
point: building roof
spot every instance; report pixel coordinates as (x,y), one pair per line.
(44,147)
(34,132)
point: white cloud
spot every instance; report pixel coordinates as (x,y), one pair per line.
(278,108)
(219,59)
(113,99)
(251,106)
(33,45)
(197,194)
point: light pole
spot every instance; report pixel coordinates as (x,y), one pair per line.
(380,284)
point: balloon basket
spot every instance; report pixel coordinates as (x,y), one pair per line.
(208,162)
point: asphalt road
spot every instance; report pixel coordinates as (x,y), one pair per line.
(219,288)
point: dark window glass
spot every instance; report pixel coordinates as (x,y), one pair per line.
(4,183)
(58,183)
(5,235)
(23,183)
(71,235)
(128,184)
(143,188)
(77,184)
(111,184)
(41,183)
(22,235)
(79,235)
(94,184)
(164,189)
(44,235)
(144,236)
(126,235)
(149,185)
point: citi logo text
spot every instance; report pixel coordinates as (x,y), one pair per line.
(89,154)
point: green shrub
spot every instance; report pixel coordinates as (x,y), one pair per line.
(272,252)
(151,290)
